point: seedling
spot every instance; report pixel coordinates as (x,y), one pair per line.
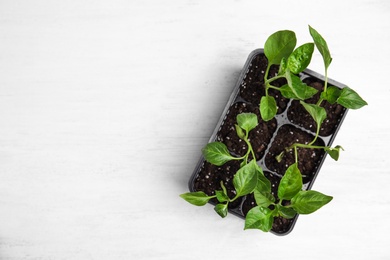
(346,97)
(250,179)
(290,198)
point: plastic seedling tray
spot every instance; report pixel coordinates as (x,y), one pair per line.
(291,124)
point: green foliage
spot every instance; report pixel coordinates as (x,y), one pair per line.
(291,183)
(300,58)
(268,107)
(198,198)
(217,153)
(350,99)
(331,94)
(247,121)
(245,180)
(322,46)
(334,152)
(317,113)
(279,45)
(306,202)
(290,198)
(259,218)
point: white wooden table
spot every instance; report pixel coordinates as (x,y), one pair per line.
(105,105)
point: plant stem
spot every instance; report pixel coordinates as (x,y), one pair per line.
(296,154)
(271,86)
(296,145)
(268,81)
(266,73)
(325,87)
(316,136)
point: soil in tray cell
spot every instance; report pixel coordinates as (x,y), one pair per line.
(280,225)
(210,176)
(259,137)
(298,115)
(308,159)
(252,88)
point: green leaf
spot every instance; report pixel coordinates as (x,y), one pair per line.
(286,212)
(247,121)
(278,45)
(198,198)
(268,107)
(291,183)
(264,198)
(306,202)
(221,196)
(317,113)
(279,157)
(259,218)
(296,89)
(223,188)
(300,58)
(350,99)
(216,153)
(263,184)
(334,152)
(331,94)
(239,131)
(245,179)
(322,46)
(221,209)
(282,66)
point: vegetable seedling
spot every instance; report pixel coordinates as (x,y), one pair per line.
(251,179)
(290,198)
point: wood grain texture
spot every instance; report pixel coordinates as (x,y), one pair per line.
(105,105)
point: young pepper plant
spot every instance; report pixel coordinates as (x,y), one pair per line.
(250,179)
(345,97)
(279,50)
(292,200)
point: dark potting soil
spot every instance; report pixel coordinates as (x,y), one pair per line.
(252,88)
(298,115)
(308,159)
(292,124)
(259,137)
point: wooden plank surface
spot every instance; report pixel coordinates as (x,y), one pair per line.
(105,105)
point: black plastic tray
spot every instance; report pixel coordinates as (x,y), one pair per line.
(282,119)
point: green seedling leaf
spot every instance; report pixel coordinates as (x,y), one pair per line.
(291,183)
(282,66)
(350,99)
(198,198)
(278,45)
(317,113)
(221,196)
(286,212)
(221,209)
(247,121)
(239,131)
(300,58)
(268,107)
(264,198)
(331,94)
(322,46)
(259,218)
(223,188)
(306,202)
(279,157)
(245,179)
(263,184)
(216,153)
(334,152)
(296,89)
